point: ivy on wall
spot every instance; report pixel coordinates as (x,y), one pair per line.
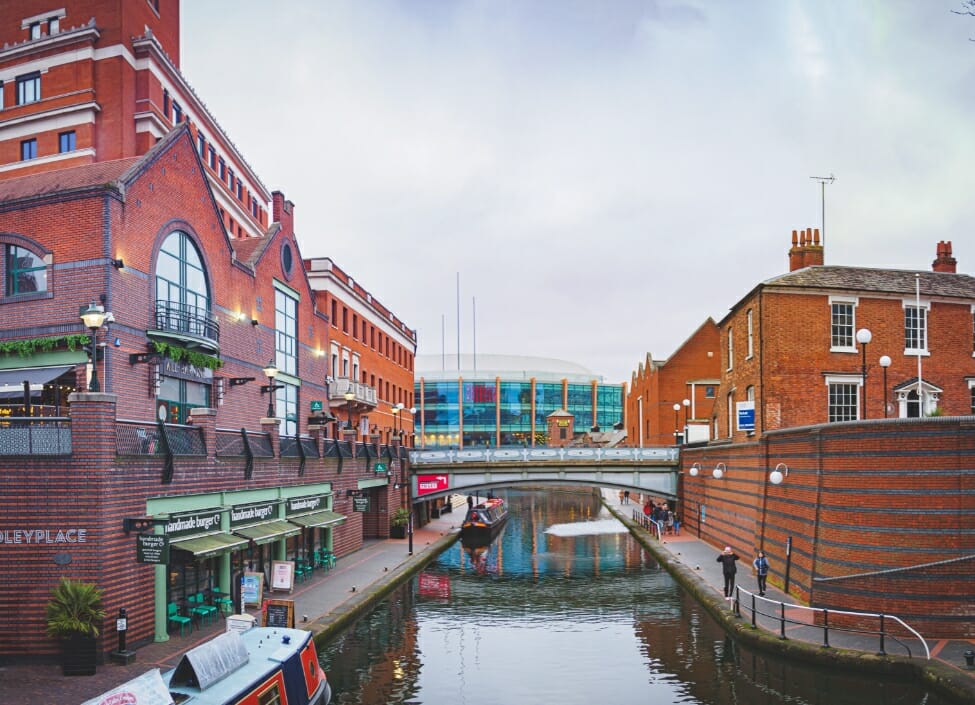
(29,346)
(180,354)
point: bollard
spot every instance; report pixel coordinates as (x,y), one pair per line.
(122,656)
(970,658)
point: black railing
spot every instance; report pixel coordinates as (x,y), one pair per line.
(47,435)
(190,320)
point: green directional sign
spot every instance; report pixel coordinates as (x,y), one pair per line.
(317,405)
(380,467)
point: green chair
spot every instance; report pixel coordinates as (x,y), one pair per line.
(328,559)
(201,609)
(223,602)
(172,612)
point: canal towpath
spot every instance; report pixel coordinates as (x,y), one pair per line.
(947,665)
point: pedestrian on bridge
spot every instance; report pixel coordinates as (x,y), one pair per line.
(727,560)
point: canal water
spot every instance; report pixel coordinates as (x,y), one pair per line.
(566,608)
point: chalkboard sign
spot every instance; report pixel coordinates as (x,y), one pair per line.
(279,613)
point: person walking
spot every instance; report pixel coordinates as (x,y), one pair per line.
(761,571)
(728,568)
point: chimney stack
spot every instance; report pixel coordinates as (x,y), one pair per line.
(944,261)
(806,251)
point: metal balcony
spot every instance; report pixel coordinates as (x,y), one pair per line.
(193,326)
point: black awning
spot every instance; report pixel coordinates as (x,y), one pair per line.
(12,381)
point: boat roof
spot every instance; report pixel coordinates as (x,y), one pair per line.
(248,656)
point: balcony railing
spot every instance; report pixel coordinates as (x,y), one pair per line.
(35,436)
(186,320)
(364,394)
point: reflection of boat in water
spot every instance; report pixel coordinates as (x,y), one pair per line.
(478,556)
(483,522)
(260,665)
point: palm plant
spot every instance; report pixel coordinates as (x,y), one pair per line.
(75,608)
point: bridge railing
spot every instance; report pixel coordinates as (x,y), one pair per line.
(543,455)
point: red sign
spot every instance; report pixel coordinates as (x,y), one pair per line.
(427,484)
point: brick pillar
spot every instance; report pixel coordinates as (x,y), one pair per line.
(207,420)
(348,435)
(272,426)
(317,434)
(93,428)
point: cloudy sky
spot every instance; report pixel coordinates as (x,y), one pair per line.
(601,175)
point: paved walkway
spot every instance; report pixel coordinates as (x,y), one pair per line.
(698,560)
(325,598)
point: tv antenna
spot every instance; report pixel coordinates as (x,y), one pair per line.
(823,180)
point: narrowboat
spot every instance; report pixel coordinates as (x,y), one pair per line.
(483,522)
(259,665)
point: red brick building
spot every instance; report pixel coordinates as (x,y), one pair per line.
(692,375)
(370,355)
(860,495)
(195,412)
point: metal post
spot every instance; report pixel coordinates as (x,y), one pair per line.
(782,620)
(826,628)
(885,392)
(863,372)
(93,385)
(882,652)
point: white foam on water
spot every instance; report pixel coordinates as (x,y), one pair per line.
(587,528)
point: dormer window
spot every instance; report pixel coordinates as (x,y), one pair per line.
(53,26)
(35,30)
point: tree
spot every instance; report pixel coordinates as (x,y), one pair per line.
(967,8)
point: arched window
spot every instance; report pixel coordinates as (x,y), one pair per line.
(26,272)
(182,294)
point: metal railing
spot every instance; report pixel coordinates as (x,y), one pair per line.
(364,394)
(31,435)
(183,318)
(649,524)
(768,613)
(543,454)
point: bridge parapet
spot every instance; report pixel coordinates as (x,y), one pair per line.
(541,455)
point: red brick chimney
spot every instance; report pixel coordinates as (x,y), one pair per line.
(944,262)
(282,211)
(806,250)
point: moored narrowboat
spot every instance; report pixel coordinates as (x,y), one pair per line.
(483,522)
(260,665)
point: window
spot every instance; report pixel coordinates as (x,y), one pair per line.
(915,329)
(751,344)
(66,142)
(53,25)
(334,367)
(166,104)
(253,206)
(1,95)
(240,190)
(971,393)
(35,30)
(230,179)
(212,153)
(182,292)
(26,272)
(28,88)
(201,145)
(177,113)
(841,325)
(286,332)
(28,150)
(222,169)
(731,413)
(709,391)
(731,349)
(271,696)
(844,401)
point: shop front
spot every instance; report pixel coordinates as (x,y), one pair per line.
(316,520)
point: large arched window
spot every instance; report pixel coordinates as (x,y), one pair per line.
(26,272)
(182,294)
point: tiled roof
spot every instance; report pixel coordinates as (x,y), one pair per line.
(60,180)
(248,249)
(892,281)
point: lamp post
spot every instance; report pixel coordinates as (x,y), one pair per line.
(409,493)
(349,397)
(676,424)
(884,364)
(272,372)
(397,410)
(864,336)
(93,316)
(687,412)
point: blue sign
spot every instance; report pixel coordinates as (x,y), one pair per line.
(746,415)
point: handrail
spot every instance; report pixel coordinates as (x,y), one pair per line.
(544,454)
(643,520)
(782,620)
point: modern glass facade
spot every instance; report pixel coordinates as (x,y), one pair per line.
(460,413)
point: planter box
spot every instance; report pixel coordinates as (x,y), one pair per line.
(397,532)
(79,656)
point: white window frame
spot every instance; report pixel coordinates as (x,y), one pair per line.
(731,348)
(334,367)
(926,307)
(846,379)
(854,302)
(751,340)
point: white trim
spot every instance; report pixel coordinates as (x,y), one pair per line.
(61,156)
(926,305)
(49,120)
(58,14)
(854,301)
(844,379)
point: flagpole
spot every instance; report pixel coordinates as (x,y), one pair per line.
(917,302)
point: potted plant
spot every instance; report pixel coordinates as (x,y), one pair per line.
(74,614)
(397,523)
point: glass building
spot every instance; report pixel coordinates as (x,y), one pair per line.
(504,400)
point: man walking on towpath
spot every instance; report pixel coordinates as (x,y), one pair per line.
(727,560)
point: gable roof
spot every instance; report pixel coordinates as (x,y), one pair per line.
(889,281)
(77,178)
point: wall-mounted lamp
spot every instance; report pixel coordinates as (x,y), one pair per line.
(719,471)
(780,473)
(254,322)
(240,316)
(118,263)
(695,469)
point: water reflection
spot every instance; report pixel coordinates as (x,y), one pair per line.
(566,608)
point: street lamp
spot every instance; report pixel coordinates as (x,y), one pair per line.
(349,397)
(413,424)
(396,415)
(676,424)
(864,336)
(885,363)
(271,371)
(687,411)
(93,316)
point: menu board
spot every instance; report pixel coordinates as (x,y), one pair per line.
(279,613)
(251,588)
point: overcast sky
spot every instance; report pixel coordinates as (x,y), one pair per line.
(603,175)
